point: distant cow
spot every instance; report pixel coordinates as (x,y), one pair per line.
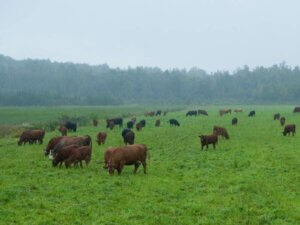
(290,128)
(129,138)
(157,123)
(165,113)
(143,122)
(221,131)
(139,126)
(111,125)
(276,116)
(296,109)
(95,122)
(234,121)
(125,131)
(251,114)
(174,122)
(224,111)
(130,124)
(101,138)
(208,139)
(238,110)
(133,119)
(202,112)
(158,113)
(282,121)
(31,136)
(127,155)
(150,113)
(63,130)
(116,121)
(191,113)
(70,126)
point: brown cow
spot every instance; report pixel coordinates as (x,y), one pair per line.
(157,123)
(107,155)
(127,155)
(150,113)
(95,122)
(208,139)
(63,154)
(239,110)
(276,116)
(63,130)
(282,121)
(296,109)
(101,137)
(221,131)
(224,111)
(290,128)
(31,136)
(85,155)
(139,126)
(51,144)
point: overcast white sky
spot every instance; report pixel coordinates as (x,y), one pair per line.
(209,34)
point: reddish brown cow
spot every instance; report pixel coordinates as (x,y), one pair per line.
(107,155)
(63,154)
(127,155)
(63,130)
(207,140)
(101,137)
(157,123)
(224,111)
(31,136)
(238,110)
(221,131)
(282,121)
(290,128)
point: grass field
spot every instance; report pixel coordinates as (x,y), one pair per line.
(252,178)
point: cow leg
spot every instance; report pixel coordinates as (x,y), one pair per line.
(214,145)
(202,146)
(80,163)
(120,168)
(207,147)
(136,166)
(144,165)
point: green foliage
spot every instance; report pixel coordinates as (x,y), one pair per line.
(42,82)
(252,178)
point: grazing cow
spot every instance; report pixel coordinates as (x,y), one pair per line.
(282,121)
(101,137)
(111,125)
(116,121)
(130,124)
(220,131)
(224,111)
(63,130)
(70,126)
(127,155)
(139,126)
(157,123)
(143,122)
(174,122)
(251,114)
(107,155)
(150,113)
(202,112)
(208,139)
(276,116)
(95,123)
(125,131)
(238,110)
(85,155)
(66,141)
(129,138)
(31,136)
(290,128)
(52,143)
(158,113)
(63,154)
(191,113)
(296,109)
(234,121)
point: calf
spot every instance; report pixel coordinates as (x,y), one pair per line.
(207,140)
(290,128)
(234,121)
(101,137)
(174,122)
(276,116)
(220,131)
(127,155)
(282,121)
(157,123)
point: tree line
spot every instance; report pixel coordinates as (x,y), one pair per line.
(42,82)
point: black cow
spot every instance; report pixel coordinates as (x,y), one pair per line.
(158,113)
(202,112)
(251,114)
(130,124)
(117,121)
(174,122)
(143,122)
(191,113)
(234,121)
(71,126)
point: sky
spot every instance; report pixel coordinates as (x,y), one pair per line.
(209,34)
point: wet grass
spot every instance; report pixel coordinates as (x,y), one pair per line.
(253,178)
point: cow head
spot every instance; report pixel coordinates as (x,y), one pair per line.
(284,133)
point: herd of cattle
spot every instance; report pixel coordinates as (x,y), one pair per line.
(72,150)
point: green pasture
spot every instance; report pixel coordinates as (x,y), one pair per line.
(252,178)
